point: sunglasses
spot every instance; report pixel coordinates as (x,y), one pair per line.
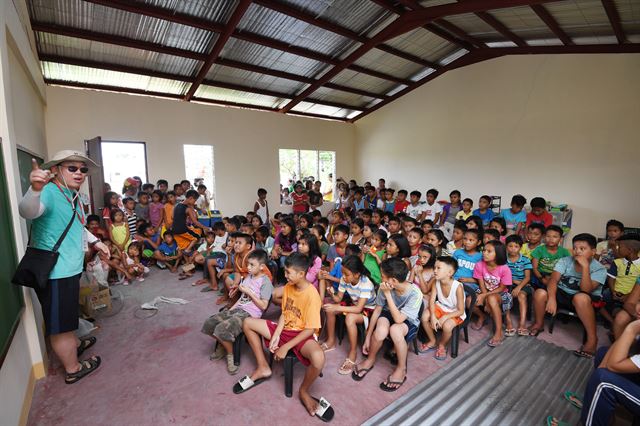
(74,169)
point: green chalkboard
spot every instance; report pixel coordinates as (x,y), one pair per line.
(11,302)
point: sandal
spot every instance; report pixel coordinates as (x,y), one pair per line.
(246,383)
(510,332)
(535,331)
(355,374)
(426,349)
(523,332)
(326,347)
(583,354)
(346,367)
(87,366)
(554,421)
(573,399)
(441,354)
(325,411)
(385,385)
(494,343)
(86,344)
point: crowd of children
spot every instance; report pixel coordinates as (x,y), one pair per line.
(388,269)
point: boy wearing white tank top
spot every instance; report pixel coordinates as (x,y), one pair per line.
(446,306)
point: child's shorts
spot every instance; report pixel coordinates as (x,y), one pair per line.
(565,300)
(507,301)
(225,325)
(528,290)
(536,284)
(440,313)
(288,335)
(472,287)
(413,328)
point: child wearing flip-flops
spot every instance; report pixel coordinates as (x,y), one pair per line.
(446,307)
(255,291)
(520,266)
(294,331)
(494,279)
(397,315)
(356,284)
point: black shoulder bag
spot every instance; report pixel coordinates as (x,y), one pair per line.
(36,264)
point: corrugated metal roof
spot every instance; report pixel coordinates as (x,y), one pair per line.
(252,79)
(389,64)
(322,110)
(330,95)
(216,93)
(475,26)
(363,81)
(582,18)
(212,10)
(73,73)
(422,43)
(70,47)
(520,382)
(524,22)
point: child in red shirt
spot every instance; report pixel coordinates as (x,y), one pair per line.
(300,200)
(401,201)
(539,213)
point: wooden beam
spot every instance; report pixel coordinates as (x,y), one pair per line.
(459,32)
(434,29)
(491,20)
(112,88)
(231,26)
(550,21)
(614,19)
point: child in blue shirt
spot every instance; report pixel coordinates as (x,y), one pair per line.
(335,274)
(483,211)
(521,267)
(467,257)
(168,253)
(516,216)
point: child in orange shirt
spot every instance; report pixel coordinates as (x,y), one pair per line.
(294,332)
(168,209)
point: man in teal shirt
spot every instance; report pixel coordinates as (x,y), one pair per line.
(51,201)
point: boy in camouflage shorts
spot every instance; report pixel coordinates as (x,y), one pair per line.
(255,291)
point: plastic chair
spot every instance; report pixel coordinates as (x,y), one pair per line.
(455,336)
(569,313)
(411,338)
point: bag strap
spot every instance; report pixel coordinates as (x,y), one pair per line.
(66,230)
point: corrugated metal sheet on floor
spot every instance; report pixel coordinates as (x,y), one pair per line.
(520,382)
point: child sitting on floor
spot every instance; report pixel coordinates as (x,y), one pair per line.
(521,276)
(168,253)
(545,256)
(396,315)
(494,278)
(294,331)
(362,296)
(575,283)
(132,260)
(446,307)
(256,291)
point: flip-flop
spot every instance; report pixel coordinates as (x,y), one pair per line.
(355,374)
(86,344)
(325,411)
(523,332)
(326,348)
(572,397)
(440,357)
(385,385)
(246,383)
(534,332)
(206,289)
(553,421)
(87,366)
(346,367)
(426,349)
(583,354)
(510,332)
(494,343)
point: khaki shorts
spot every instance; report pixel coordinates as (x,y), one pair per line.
(226,325)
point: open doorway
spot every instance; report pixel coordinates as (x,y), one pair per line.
(121,160)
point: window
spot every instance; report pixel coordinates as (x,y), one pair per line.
(198,165)
(121,160)
(306,165)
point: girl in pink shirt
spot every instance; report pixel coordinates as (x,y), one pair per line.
(309,246)
(494,278)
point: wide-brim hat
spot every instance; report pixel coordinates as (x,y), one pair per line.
(70,155)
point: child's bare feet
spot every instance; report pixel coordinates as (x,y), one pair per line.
(328,346)
(477,324)
(261,373)
(309,403)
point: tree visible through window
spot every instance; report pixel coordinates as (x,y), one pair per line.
(303,165)
(198,165)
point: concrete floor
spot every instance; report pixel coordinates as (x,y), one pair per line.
(157,371)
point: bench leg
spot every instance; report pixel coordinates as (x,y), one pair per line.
(237,347)
(288,376)
(455,338)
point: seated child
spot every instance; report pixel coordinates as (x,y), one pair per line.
(628,312)
(132,260)
(622,276)
(421,274)
(256,291)
(534,234)
(499,224)
(467,257)
(484,211)
(332,277)
(414,237)
(494,279)
(521,276)
(294,331)
(150,240)
(396,315)
(539,213)
(490,235)
(374,254)
(362,296)
(605,249)
(264,240)
(401,202)
(575,283)
(545,256)
(204,252)
(168,254)
(446,307)
(466,212)
(241,249)
(515,217)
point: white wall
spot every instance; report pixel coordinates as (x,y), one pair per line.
(562,127)
(21,123)
(245,142)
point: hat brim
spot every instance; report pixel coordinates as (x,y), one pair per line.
(92,165)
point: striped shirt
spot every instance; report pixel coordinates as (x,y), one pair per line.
(132,219)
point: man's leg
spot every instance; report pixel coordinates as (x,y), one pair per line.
(584,309)
(65,345)
(311,351)
(605,390)
(254,329)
